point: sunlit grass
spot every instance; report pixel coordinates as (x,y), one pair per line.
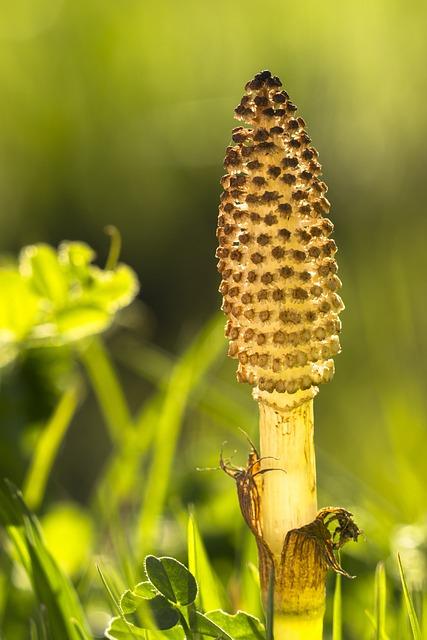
(111,112)
(202,411)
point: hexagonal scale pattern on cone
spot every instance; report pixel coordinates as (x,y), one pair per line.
(276,257)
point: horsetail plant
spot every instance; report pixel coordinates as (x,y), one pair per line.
(279,287)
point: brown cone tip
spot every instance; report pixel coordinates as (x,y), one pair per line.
(276,257)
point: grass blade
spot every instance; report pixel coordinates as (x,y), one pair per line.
(380,602)
(121,475)
(208,597)
(53,591)
(337,609)
(187,373)
(48,445)
(248,575)
(107,388)
(410,610)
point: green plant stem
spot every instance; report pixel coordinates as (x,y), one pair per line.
(115,247)
(107,388)
(410,609)
(48,444)
(380,602)
(188,633)
(205,349)
(337,610)
(121,473)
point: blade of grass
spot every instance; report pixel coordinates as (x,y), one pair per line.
(48,444)
(107,388)
(122,472)
(424,617)
(219,400)
(250,596)
(337,609)
(380,602)
(187,372)
(54,592)
(80,632)
(208,597)
(410,610)
(114,599)
(33,631)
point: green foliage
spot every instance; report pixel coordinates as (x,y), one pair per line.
(48,445)
(166,601)
(131,599)
(59,604)
(415,625)
(120,629)
(184,378)
(165,415)
(239,626)
(204,626)
(171,579)
(209,594)
(58,297)
(380,602)
(337,609)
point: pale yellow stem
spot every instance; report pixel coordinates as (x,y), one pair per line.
(289,494)
(297,627)
(289,501)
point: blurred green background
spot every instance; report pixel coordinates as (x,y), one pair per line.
(119,112)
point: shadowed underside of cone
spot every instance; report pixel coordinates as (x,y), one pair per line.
(279,286)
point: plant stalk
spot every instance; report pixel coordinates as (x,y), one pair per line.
(289,501)
(297,627)
(289,493)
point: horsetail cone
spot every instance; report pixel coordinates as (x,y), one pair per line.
(279,281)
(279,286)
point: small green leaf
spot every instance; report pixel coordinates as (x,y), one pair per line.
(172,579)
(120,629)
(144,590)
(239,626)
(19,306)
(131,599)
(39,265)
(202,624)
(128,602)
(75,254)
(78,322)
(161,612)
(112,290)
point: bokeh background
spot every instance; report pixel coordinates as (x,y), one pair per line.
(119,112)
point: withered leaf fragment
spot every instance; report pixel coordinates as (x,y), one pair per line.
(307,553)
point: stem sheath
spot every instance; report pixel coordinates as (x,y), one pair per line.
(289,501)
